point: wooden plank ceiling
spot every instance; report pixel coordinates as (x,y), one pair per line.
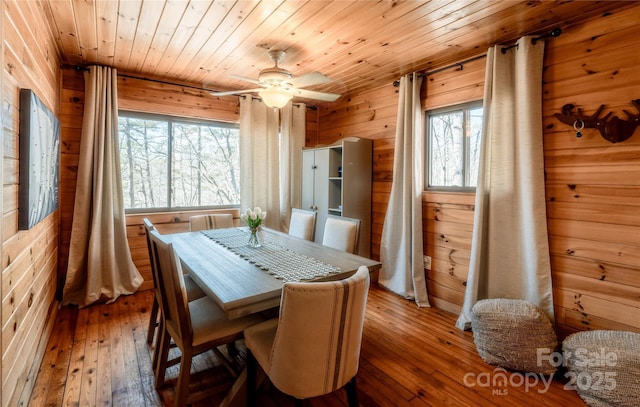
(358,44)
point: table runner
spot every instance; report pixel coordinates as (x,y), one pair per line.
(272,258)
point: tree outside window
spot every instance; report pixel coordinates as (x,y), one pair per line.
(169,163)
(453,143)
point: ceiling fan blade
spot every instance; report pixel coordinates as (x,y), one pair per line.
(309,79)
(235,92)
(244,78)
(312,94)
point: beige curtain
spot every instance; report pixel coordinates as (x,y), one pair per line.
(260,159)
(401,251)
(293,133)
(100,266)
(510,250)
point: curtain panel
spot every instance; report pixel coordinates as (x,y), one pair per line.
(100,265)
(293,133)
(510,250)
(270,162)
(401,250)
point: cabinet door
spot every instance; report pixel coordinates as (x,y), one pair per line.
(308,174)
(321,190)
(315,186)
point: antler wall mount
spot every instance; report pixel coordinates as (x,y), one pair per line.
(612,129)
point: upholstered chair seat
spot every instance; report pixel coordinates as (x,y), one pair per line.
(313,348)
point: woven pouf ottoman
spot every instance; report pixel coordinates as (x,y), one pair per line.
(513,334)
(604,367)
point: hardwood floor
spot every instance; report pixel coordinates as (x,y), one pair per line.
(98,356)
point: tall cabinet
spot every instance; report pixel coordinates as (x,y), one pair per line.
(336,180)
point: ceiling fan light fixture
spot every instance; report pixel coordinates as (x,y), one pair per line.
(278,86)
(275,97)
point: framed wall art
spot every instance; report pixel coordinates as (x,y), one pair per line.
(39,160)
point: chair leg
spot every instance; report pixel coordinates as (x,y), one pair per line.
(164,340)
(232,350)
(352,392)
(155,359)
(153,320)
(252,371)
(182,385)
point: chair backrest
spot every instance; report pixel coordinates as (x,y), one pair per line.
(174,302)
(148,227)
(302,224)
(316,349)
(212,221)
(341,233)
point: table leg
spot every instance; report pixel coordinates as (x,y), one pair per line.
(237,395)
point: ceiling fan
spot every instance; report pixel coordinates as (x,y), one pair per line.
(278,85)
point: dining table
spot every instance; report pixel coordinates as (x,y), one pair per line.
(243,280)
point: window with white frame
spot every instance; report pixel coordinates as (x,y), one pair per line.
(453,146)
(169,163)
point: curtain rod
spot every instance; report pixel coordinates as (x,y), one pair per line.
(83,68)
(444,68)
(553,33)
(459,64)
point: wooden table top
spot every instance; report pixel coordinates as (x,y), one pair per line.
(239,287)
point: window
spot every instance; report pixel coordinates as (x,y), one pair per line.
(453,146)
(170,163)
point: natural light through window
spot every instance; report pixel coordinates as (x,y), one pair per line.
(170,163)
(453,143)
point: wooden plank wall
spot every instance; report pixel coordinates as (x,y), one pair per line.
(2,120)
(71,110)
(29,258)
(592,187)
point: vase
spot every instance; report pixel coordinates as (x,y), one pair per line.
(256,237)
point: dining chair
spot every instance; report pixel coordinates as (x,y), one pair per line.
(211,221)
(193,290)
(302,224)
(194,326)
(313,347)
(341,233)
